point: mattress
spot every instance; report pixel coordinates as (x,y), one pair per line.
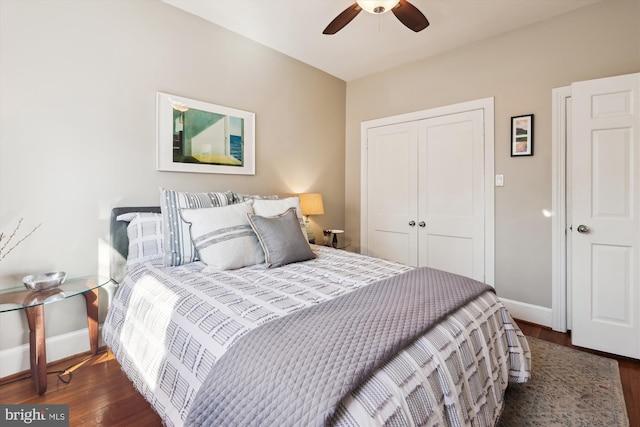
(167,326)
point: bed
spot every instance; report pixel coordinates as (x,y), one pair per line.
(174,328)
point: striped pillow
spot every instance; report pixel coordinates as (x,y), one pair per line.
(178,248)
(239,197)
(145,236)
(223,236)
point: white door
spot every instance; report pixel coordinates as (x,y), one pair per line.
(392,192)
(451,194)
(605,236)
(425,193)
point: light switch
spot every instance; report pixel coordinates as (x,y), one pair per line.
(499,180)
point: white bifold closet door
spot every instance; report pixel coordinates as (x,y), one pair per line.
(425,193)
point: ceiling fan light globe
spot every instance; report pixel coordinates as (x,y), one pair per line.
(377,6)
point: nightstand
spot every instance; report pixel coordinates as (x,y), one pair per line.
(32,302)
(335,239)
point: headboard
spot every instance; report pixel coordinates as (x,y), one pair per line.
(120,242)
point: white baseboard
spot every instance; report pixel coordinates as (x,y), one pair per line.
(528,312)
(16,359)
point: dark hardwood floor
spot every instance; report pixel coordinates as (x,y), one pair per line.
(99,394)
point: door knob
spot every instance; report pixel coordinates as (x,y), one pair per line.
(412,223)
(422,224)
(583,229)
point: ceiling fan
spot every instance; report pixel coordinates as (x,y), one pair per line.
(407,13)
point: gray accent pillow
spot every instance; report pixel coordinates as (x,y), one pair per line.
(271,207)
(280,238)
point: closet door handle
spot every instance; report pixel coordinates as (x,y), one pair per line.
(422,224)
(412,223)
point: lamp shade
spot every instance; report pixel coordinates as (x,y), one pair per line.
(311,204)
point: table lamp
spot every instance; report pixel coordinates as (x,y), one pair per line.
(310,204)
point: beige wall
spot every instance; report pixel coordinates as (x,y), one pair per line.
(78,81)
(519,69)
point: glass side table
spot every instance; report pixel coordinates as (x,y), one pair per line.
(32,302)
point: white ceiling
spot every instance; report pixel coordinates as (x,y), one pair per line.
(370,43)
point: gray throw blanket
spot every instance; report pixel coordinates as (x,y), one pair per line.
(293,371)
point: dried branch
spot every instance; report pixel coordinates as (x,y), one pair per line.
(15,230)
(3,250)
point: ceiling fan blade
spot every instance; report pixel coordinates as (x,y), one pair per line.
(410,16)
(343,19)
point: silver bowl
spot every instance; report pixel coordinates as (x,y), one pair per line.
(43,281)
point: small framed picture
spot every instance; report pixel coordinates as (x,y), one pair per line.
(522,135)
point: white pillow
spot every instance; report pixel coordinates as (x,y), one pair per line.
(223,236)
(278,207)
(145,236)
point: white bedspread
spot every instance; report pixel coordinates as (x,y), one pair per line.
(168,326)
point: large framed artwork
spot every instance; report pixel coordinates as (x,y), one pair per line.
(196,136)
(522,135)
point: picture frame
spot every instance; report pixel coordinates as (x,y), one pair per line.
(197,136)
(522,135)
